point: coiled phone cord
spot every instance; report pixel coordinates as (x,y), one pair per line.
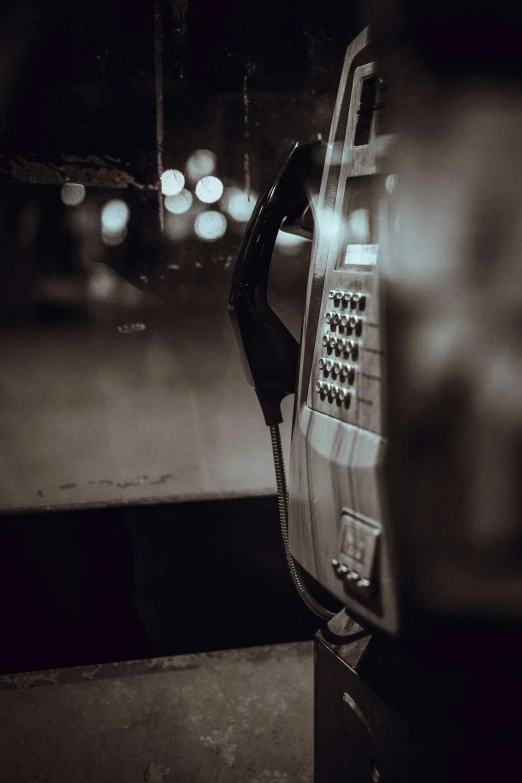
(282,497)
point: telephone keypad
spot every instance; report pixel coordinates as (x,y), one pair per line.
(355,299)
(334,392)
(338,382)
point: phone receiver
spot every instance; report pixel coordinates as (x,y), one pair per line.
(268,351)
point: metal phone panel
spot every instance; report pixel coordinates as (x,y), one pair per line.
(337,513)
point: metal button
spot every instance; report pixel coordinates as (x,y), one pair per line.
(337,367)
(338,295)
(341,393)
(329,365)
(319,386)
(362,302)
(336,318)
(332,342)
(331,294)
(325,340)
(354,320)
(335,563)
(321,363)
(347,296)
(341,343)
(353,576)
(328,317)
(344,321)
(342,571)
(363,584)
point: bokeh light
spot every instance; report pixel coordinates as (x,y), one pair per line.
(210,225)
(114,216)
(172,182)
(238,204)
(201,163)
(72,194)
(209,189)
(289,244)
(179,204)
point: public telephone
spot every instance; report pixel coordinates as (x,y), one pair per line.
(339,529)
(384,479)
(337,517)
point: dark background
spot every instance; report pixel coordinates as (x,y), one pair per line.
(86,579)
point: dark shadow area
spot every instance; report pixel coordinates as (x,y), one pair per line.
(108,584)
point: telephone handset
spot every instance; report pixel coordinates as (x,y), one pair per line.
(268,351)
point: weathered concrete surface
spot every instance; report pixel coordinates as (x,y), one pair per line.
(239,715)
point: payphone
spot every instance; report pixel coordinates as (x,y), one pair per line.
(404,485)
(403,495)
(335,525)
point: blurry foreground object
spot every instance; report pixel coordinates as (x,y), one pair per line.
(455,358)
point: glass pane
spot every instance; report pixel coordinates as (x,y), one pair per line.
(119,378)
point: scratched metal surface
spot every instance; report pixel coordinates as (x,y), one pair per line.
(239,715)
